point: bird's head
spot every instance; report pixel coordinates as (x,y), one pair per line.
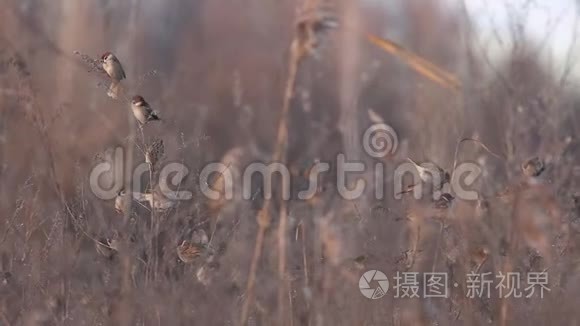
(138,100)
(107,56)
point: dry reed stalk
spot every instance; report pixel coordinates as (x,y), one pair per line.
(263,217)
(421,65)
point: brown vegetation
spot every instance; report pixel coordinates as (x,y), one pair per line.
(258,81)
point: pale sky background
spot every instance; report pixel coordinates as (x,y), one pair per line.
(551,21)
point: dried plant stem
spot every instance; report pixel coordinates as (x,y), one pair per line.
(124,254)
(263,217)
(421,65)
(304,260)
(284,287)
(476,141)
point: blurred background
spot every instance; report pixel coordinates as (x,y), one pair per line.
(217,72)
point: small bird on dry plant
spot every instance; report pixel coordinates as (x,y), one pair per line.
(429,173)
(113,67)
(115,71)
(533,167)
(142,111)
(188,251)
(191,249)
(121,201)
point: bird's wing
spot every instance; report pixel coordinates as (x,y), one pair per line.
(120,68)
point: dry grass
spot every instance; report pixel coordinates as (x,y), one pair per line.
(254,82)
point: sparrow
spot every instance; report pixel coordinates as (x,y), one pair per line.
(113,67)
(430,172)
(121,201)
(533,167)
(142,111)
(188,251)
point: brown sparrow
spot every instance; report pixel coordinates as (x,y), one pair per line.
(188,251)
(430,172)
(142,111)
(121,201)
(113,67)
(533,167)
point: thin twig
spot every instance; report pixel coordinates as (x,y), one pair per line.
(474,140)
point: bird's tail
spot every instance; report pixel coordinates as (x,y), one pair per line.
(154,116)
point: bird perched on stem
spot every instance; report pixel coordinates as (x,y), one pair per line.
(114,70)
(189,250)
(430,173)
(121,201)
(113,67)
(142,110)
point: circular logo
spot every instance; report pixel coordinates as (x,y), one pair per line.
(380,140)
(364,284)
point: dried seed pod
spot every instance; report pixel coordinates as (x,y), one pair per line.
(154,152)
